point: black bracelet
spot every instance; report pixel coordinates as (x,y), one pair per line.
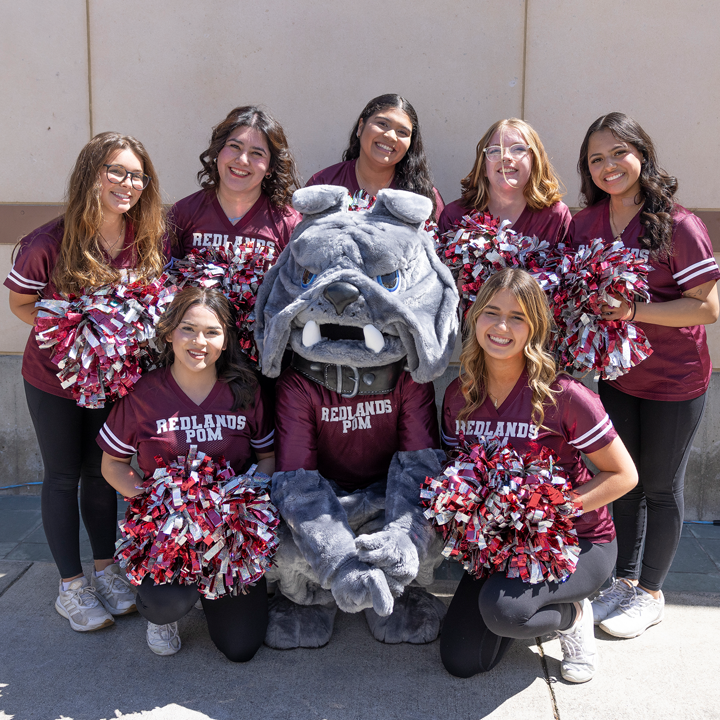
(632,317)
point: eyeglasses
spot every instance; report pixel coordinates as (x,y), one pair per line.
(494,153)
(117,174)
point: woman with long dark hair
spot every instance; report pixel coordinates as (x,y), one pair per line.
(205,385)
(113,222)
(512,179)
(385,150)
(510,389)
(657,406)
(248,176)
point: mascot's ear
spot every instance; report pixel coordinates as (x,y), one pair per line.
(409,207)
(321,199)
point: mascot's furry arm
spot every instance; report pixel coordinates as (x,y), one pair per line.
(407,547)
(320,529)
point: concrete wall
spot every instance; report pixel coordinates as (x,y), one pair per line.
(168,70)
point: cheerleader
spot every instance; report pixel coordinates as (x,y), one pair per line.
(248,176)
(385,150)
(113,221)
(205,395)
(512,179)
(658,405)
(510,389)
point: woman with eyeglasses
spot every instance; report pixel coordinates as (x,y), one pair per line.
(657,406)
(385,150)
(248,176)
(512,179)
(113,221)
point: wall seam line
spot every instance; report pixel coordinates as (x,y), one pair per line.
(524,61)
(89,63)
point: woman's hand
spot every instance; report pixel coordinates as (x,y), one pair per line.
(121,476)
(623,311)
(23,306)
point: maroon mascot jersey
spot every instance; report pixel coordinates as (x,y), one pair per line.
(343,174)
(550,223)
(680,366)
(578,423)
(198,221)
(158,418)
(351,440)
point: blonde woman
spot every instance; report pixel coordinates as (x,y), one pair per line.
(509,388)
(512,179)
(113,221)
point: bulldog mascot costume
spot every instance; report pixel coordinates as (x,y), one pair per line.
(371,316)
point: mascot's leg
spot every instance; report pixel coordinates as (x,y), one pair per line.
(407,549)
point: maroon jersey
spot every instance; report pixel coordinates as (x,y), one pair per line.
(578,423)
(32,274)
(343,174)
(550,223)
(160,419)
(351,440)
(199,221)
(680,366)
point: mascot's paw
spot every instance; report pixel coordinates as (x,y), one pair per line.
(292,626)
(393,552)
(417,619)
(357,586)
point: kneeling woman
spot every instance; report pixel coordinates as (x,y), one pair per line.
(204,376)
(509,381)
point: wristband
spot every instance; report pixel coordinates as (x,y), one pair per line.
(632,317)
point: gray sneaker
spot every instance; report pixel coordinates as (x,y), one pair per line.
(81,605)
(115,590)
(163,639)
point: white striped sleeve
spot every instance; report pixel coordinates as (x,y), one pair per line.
(33,285)
(704,267)
(260,443)
(449,440)
(594,434)
(115,443)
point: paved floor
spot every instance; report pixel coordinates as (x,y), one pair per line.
(49,672)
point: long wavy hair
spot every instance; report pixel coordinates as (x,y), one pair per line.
(657,188)
(81,263)
(231,366)
(284,178)
(540,365)
(412,172)
(543,187)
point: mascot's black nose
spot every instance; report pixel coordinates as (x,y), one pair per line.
(341,294)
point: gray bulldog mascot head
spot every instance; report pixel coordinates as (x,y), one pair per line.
(362,300)
(359,289)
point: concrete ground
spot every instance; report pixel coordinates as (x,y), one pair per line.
(49,672)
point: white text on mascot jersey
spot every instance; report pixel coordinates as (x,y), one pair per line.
(358,417)
(210,428)
(488,429)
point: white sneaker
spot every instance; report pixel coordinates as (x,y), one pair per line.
(609,599)
(82,606)
(579,650)
(163,639)
(635,615)
(115,590)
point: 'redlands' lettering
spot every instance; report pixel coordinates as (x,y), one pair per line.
(501,429)
(201,428)
(357,417)
(244,244)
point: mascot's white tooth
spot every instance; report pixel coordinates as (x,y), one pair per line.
(311,333)
(373,338)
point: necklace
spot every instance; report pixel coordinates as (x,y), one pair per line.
(108,247)
(363,183)
(494,400)
(617,234)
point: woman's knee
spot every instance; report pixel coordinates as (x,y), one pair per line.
(239,654)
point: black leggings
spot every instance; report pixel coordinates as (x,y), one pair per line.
(658,435)
(486,615)
(237,625)
(67,436)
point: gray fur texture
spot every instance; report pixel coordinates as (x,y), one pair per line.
(418,320)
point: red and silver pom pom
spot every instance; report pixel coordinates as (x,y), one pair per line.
(199,523)
(102,341)
(499,511)
(576,284)
(235,270)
